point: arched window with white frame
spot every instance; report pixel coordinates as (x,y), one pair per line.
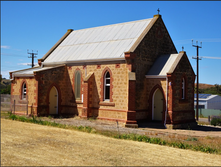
(77,85)
(107,86)
(183,88)
(24,91)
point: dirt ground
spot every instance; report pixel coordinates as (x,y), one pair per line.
(32,145)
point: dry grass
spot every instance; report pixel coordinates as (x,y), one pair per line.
(31,144)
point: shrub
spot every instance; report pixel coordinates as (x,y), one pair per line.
(216,120)
(22,118)
(13,117)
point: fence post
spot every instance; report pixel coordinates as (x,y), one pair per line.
(208,118)
(31,109)
(27,107)
(14,106)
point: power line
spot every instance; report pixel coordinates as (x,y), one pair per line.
(32,56)
(197,83)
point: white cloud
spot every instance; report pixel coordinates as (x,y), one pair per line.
(25,64)
(5,74)
(5,47)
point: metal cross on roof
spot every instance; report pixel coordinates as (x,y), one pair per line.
(158,10)
(182,48)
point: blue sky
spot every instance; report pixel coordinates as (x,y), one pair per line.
(38,25)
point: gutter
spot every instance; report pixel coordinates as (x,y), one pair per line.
(155,76)
(45,64)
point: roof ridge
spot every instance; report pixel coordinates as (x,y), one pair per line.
(112,24)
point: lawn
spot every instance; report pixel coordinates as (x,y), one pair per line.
(30,144)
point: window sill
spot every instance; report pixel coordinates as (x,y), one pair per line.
(23,101)
(183,101)
(79,102)
(107,103)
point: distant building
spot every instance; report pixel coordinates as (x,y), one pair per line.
(208,101)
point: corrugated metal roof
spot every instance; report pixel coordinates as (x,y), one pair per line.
(30,71)
(162,65)
(202,96)
(205,96)
(106,42)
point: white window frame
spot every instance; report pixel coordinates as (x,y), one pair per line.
(105,84)
(183,88)
(76,85)
(24,91)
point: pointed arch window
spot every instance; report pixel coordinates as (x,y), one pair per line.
(77,85)
(107,86)
(24,91)
(183,88)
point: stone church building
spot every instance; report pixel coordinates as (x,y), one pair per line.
(124,72)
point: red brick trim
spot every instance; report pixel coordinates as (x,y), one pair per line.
(102,84)
(98,66)
(130,56)
(12,87)
(151,100)
(36,93)
(73,85)
(117,65)
(59,97)
(103,103)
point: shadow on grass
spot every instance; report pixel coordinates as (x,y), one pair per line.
(152,124)
(206,128)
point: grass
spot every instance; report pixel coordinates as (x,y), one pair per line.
(134,137)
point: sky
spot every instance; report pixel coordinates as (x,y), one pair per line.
(38,25)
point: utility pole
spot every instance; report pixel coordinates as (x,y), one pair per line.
(32,56)
(197,81)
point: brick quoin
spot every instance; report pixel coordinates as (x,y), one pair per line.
(117,65)
(86,110)
(131,113)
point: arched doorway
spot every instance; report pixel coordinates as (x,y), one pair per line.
(157,107)
(53,101)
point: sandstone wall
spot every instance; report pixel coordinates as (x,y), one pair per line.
(31,92)
(157,42)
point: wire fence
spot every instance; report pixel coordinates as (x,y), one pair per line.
(208,112)
(5,102)
(14,104)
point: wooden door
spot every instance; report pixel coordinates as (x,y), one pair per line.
(157,105)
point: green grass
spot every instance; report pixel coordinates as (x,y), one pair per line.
(134,137)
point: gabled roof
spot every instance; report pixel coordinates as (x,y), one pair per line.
(205,96)
(100,43)
(30,71)
(164,64)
